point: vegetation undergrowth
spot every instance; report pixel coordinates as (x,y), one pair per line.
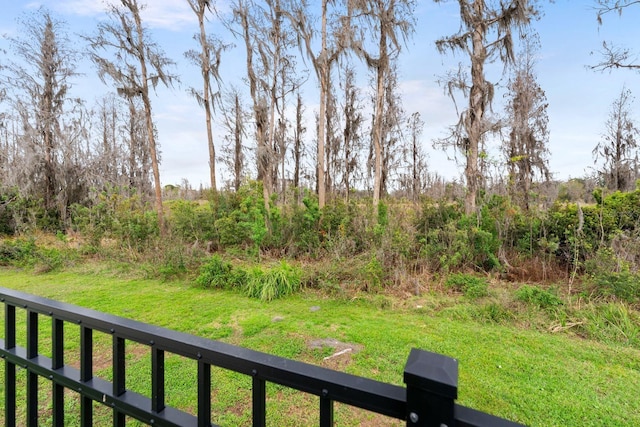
(569,271)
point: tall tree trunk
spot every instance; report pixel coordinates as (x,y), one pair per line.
(132,146)
(381,70)
(153,151)
(206,83)
(268,183)
(480,19)
(324,87)
(297,147)
(477,106)
(259,110)
(237,158)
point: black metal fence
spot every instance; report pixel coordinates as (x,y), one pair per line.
(427,400)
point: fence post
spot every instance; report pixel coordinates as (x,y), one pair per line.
(432,388)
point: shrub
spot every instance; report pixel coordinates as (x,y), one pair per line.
(49,259)
(485,245)
(495,312)
(623,285)
(25,253)
(18,252)
(470,286)
(272,283)
(451,240)
(191,221)
(173,259)
(306,225)
(8,198)
(536,296)
(373,273)
(609,276)
(241,218)
(348,228)
(612,322)
(216,273)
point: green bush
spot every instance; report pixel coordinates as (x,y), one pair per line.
(623,285)
(174,259)
(373,273)
(486,246)
(451,240)
(117,215)
(8,198)
(49,259)
(191,221)
(470,286)
(609,276)
(583,229)
(347,229)
(18,252)
(272,283)
(306,225)
(539,297)
(24,214)
(216,273)
(242,219)
(25,253)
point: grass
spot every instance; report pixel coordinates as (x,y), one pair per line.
(539,379)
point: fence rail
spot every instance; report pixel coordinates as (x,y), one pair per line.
(427,400)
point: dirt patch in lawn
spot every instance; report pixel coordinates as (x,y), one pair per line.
(337,354)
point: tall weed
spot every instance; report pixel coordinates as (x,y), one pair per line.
(612,322)
(470,286)
(538,297)
(268,284)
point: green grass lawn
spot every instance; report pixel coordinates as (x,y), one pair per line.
(536,378)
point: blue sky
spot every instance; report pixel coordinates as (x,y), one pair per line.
(579,98)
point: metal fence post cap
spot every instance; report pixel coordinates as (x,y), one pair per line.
(432,372)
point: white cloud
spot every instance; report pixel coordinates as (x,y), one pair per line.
(167,14)
(79,7)
(427,98)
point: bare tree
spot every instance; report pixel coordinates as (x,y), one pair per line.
(107,118)
(138,65)
(332,140)
(298,136)
(352,128)
(264,41)
(40,84)
(75,156)
(485,35)
(208,59)
(135,132)
(604,7)
(287,83)
(332,44)
(234,119)
(4,143)
(415,158)
(614,56)
(391,130)
(619,144)
(389,22)
(120,155)
(526,147)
